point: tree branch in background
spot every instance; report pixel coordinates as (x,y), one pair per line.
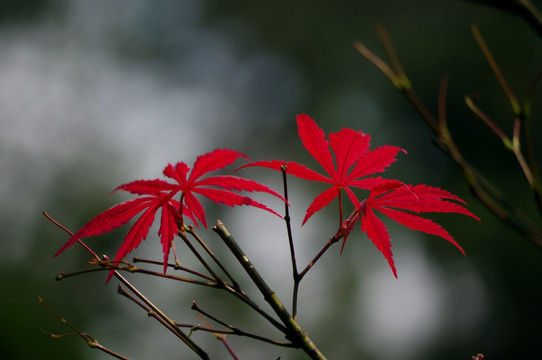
(522,8)
(484,190)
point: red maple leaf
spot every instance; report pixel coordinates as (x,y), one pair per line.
(353,163)
(392,198)
(158,195)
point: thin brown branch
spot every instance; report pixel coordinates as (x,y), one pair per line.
(177,331)
(232,330)
(481,187)
(221,337)
(89,339)
(397,67)
(379,63)
(489,122)
(295,273)
(496,69)
(182,235)
(524,8)
(150,312)
(174,266)
(528,141)
(192,232)
(71,234)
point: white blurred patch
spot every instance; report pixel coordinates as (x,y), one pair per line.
(68,100)
(397,318)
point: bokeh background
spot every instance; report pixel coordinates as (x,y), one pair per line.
(94,94)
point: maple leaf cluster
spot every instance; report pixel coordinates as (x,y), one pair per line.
(347,161)
(159,194)
(352,168)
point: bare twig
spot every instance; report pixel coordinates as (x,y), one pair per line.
(480,186)
(71,234)
(89,339)
(232,330)
(496,69)
(192,232)
(175,266)
(524,8)
(171,324)
(221,337)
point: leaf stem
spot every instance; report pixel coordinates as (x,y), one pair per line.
(342,233)
(287,221)
(318,256)
(340,199)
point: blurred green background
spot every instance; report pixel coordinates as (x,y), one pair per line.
(94,94)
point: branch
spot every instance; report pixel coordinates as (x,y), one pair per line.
(232,330)
(294,332)
(89,339)
(295,273)
(105,263)
(164,319)
(481,187)
(522,8)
